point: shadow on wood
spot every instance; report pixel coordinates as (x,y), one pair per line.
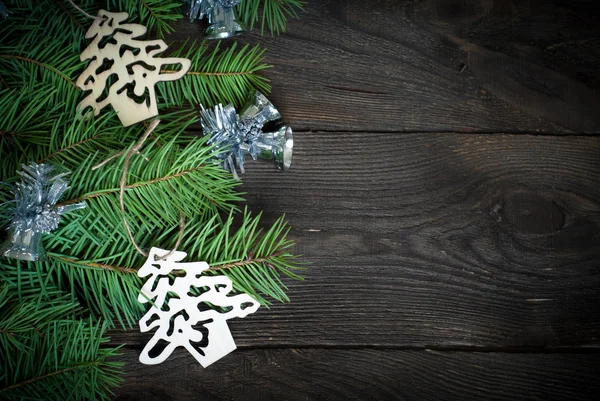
(389,65)
(434,240)
(307,375)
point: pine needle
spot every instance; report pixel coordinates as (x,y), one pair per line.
(274,16)
(216,76)
(49,351)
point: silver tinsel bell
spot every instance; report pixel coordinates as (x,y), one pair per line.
(199,8)
(220,17)
(35,211)
(241,135)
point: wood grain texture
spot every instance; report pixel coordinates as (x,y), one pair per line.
(455,252)
(434,240)
(307,375)
(436,65)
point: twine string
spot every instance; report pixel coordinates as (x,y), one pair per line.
(136,150)
(82,11)
(179,238)
(119,154)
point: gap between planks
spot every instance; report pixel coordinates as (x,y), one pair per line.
(198,131)
(433,348)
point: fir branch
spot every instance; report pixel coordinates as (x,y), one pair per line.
(67,148)
(106,192)
(44,18)
(246,262)
(173,179)
(22,132)
(49,352)
(45,62)
(33,311)
(216,76)
(252,259)
(189,170)
(93,264)
(41,64)
(156,15)
(274,16)
(109,294)
(105,133)
(35,130)
(70,14)
(48,375)
(66,363)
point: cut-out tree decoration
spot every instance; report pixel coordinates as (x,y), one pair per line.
(188,309)
(123,70)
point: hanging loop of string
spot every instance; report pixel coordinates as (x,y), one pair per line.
(123,184)
(134,149)
(82,11)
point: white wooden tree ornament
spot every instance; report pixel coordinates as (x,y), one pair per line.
(124,70)
(184,318)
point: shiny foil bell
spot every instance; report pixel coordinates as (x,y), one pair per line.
(199,8)
(35,211)
(222,21)
(221,17)
(241,135)
(276,146)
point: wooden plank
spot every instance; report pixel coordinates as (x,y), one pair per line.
(309,374)
(436,65)
(434,240)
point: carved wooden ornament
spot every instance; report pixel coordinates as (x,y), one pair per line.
(189,309)
(124,70)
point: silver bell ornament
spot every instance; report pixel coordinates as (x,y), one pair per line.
(276,146)
(259,109)
(35,211)
(222,21)
(241,135)
(200,8)
(221,17)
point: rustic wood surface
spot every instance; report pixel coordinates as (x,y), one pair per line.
(446,188)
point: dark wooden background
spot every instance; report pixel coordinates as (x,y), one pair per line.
(446,187)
